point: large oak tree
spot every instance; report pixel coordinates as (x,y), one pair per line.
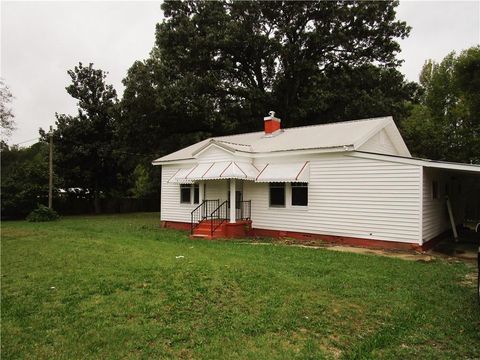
(218,67)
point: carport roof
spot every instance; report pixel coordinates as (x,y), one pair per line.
(445,165)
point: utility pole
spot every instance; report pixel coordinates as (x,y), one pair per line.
(50,170)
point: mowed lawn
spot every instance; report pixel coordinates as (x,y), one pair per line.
(112,287)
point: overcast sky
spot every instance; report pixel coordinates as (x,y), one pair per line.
(40,41)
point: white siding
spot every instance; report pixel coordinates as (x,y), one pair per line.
(462,197)
(170,207)
(435,216)
(348,196)
(214,154)
(216,189)
(380,143)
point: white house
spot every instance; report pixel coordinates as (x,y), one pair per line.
(352,182)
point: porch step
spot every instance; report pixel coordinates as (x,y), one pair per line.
(203,236)
(203,230)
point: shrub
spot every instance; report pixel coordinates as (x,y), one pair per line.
(42,213)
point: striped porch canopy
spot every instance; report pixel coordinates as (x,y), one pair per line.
(216,171)
(292,172)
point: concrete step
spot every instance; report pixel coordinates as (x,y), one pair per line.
(200,236)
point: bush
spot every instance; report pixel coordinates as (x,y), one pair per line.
(42,213)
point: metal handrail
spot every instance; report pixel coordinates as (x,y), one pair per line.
(244,211)
(202,212)
(220,213)
(218,216)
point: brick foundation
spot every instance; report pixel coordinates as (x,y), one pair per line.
(244,229)
(177,225)
(238,230)
(338,240)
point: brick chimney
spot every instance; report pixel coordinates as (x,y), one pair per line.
(272,124)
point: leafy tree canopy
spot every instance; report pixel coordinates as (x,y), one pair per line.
(24,180)
(7,123)
(217,67)
(446,123)
(84,143)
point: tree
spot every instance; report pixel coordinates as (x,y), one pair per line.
(467,77)
(24,180)
(84,143)
(246,57)
(218,67)
(7,124)
(446,124)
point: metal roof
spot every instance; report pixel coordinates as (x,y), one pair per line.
(333,136)
(428,163)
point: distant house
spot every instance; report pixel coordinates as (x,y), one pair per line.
(352,182)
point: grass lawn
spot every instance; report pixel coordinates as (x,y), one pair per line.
(113,287)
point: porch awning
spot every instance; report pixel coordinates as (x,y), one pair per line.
(291,172)
(180,177)
(288,172)
(216,171)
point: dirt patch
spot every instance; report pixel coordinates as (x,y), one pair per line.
(17,233)
(470,280)
(404,255)
(461,250)
(413,256)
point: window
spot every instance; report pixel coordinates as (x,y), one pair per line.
(185,190)
(196,194)
(277,194)
(434,190)
(300,194)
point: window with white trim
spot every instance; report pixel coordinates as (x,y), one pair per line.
(185,193)
(300,194)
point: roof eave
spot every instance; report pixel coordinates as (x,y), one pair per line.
(342,148)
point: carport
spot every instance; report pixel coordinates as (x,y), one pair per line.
(451,196)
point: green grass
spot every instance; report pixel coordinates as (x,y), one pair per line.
(112,287)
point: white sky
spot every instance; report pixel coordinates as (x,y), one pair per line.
(40,41)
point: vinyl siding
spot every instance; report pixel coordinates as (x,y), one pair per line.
(214,154)
(216,189)
(170,207)
(348,196)
(380,144)
(462,197)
